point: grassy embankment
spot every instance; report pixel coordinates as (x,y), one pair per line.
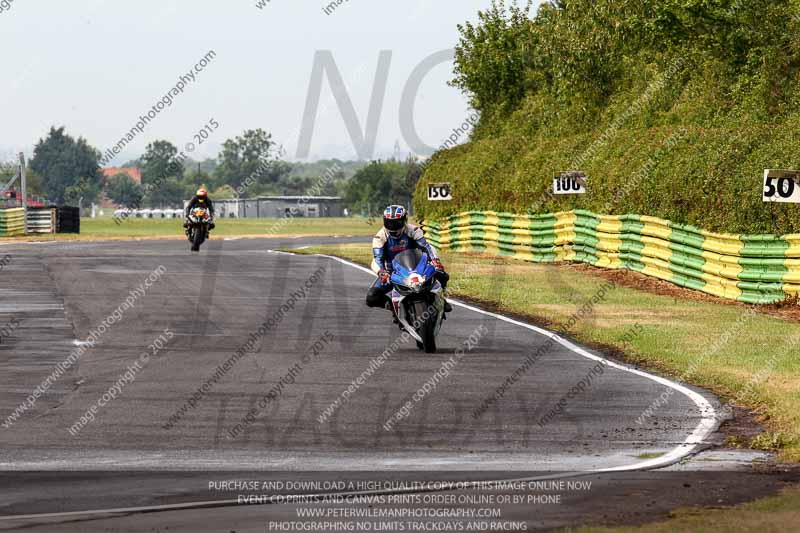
(747,359)
(673,108)
(776,514)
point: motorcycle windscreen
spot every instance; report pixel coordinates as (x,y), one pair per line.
(410,260)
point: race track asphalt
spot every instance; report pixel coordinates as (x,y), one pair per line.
(210,304)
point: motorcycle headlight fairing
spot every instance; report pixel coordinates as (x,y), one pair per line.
(414,282)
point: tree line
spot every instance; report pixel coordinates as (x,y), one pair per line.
(66,170)
(576,55)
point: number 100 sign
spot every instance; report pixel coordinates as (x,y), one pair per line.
(782,186)
(572,182)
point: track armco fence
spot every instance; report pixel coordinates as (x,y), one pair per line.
(68,220)
(62,219)
(42,220)
(12,222)
(748,268)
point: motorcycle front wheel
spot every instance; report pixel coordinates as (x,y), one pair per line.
(198,237)
(426,329)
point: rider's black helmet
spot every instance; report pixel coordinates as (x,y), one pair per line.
(394,219)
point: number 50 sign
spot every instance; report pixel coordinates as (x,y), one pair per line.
(782,186)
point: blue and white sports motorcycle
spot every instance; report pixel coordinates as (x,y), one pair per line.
(417,298)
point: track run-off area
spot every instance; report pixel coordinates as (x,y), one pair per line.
(243,359)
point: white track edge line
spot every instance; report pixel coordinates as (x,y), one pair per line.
(709,417)
(708,424)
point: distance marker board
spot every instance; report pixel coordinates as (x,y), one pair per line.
(439,192)
(572,182)
(782,186)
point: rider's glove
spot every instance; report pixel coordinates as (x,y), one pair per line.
(437,264)
(384,276)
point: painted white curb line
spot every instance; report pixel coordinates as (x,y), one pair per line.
(709,417)
(708,424)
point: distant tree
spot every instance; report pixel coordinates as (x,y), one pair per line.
(197,174)
(171,192)
(322,178)
(414,171)
(378,184)
(224,192)
(250,162)
(7,169)
(67,165)
(82,192)
(206,165)
(35,183)
(296,185)
(124,190)
(335,185)
(491,57)
(160,161)
(317,168)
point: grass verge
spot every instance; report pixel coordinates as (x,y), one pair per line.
(774,514)
(106,228)
(750,359)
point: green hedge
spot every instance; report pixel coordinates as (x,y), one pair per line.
(674,108)
(707,177)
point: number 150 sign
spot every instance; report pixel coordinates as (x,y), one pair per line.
(782,186)
(440,192)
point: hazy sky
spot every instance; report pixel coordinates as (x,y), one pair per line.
(95,66)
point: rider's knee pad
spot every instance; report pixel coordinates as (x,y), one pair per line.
(375,298)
